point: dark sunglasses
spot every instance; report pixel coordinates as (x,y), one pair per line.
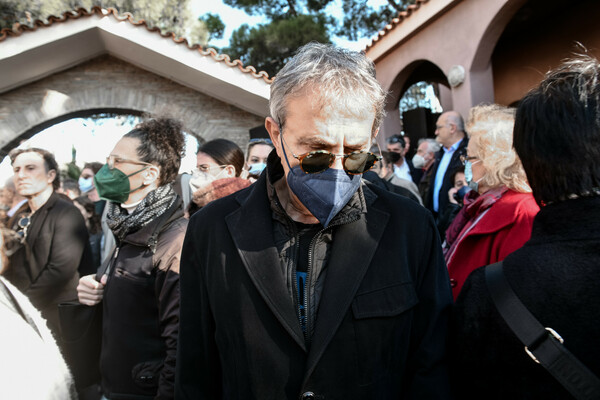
(23,223)
(355,163)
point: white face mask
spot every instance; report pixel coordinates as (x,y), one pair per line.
(418,161)
(202,179)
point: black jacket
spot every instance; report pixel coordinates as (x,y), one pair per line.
(141,311)
(46,269)
(381,324)
(447,182)
(556,274)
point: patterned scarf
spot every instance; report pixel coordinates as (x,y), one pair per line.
(474,205)
(154,204)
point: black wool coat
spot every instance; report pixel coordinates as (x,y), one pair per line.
(556,274)
(381,326)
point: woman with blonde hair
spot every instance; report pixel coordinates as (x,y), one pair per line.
(498,213)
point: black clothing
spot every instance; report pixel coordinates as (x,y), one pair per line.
(46,267)
(373,178)
(447,182)
(141,310)
(556,274)
(380,328)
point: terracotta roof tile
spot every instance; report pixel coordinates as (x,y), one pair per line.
(18,29)
(396,21)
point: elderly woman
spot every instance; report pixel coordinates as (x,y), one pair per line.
(140,290)
(498,213)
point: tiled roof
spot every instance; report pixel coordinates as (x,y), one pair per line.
(19,29)
(396,21)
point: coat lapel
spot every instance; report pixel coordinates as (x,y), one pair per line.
(344,274)
(260,258)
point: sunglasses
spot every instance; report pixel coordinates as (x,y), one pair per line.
(23,223)
(355,163)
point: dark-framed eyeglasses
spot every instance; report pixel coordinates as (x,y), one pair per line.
(314,162)
(464,159)
(112,159)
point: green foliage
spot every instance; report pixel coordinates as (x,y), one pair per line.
(168,15)
(214,25)
(267,47)
(293,23)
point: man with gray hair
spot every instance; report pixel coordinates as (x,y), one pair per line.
(311,284)
(423,160)
(450,133)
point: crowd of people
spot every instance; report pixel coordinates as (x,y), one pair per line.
(314,265)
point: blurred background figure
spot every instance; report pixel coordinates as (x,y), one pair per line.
(403,167)
(498,213)
(87,186)
(93,225)
(33,367)
(382,175)
(13,202)
(219,165)
(423,160)
(256,156)
(70,188)
(455,198)
(556,274)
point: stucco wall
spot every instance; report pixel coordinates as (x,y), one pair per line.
(107,82)
(519,63)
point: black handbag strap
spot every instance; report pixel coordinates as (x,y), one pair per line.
(543,345)
(7,293)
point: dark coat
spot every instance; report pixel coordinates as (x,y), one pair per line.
(381,324)
(447,182)
(556,274)
(141,311)
(58,247)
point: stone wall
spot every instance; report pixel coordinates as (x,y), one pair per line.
(107,83)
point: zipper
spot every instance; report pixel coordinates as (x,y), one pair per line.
(309,279)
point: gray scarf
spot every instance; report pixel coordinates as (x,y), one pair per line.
(154,204)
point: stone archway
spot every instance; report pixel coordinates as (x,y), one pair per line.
(108,83)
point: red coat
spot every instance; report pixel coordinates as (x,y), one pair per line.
(503,229)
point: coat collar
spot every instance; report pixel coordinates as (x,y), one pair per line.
(40,219)
(344,271)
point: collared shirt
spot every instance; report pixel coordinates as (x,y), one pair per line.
(403,171)
(441,171)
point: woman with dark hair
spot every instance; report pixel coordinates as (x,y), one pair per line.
(140,289)
(218,167)
(256,156)
(556,274)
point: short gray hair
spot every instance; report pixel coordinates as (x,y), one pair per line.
(342,79)
(432,145)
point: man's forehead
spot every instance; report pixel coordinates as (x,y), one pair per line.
(29,157)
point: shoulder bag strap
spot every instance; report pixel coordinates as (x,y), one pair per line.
(543,345)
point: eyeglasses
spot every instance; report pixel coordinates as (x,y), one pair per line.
(111,160)
(464,159)
(355,163)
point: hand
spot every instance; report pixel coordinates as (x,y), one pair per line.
(90,291)
(451,193)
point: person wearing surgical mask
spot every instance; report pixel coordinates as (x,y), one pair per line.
(498,212)
(139,291)
(256,157)
(219,164)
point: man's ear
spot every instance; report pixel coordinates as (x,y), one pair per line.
(151,175)
(51,176)
(274,133)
